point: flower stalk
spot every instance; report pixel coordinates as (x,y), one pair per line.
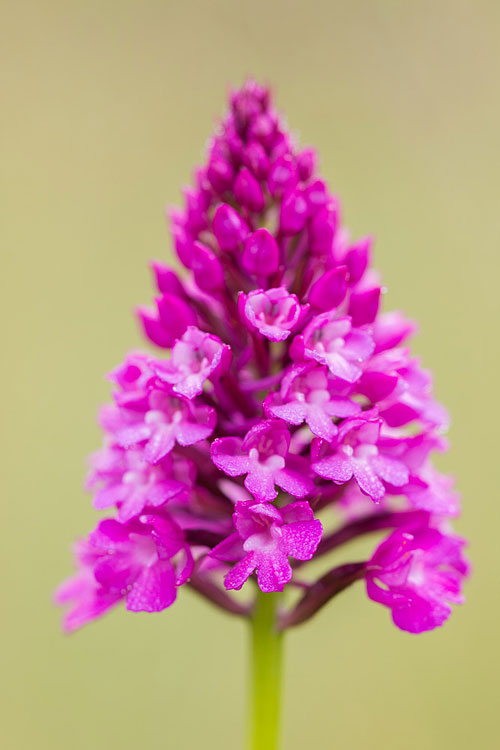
(265,674)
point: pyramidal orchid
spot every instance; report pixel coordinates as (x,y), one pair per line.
(277,415)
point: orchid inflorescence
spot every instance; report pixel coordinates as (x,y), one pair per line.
(287,396)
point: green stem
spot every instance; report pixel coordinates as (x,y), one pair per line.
(265,685)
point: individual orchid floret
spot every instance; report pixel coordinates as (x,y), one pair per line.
(294,212)
(354,453)
(265,538)
(134,378)
(333,342)
(196,357)
(248,191)
(392,329)
(412,399)
(261,254)
(168,322)
(364,305)
(324,224)
(307,395)
(229,228)
(207,268)
(417,573)
(169,419)
(401,389)
(283,175)
(329,290)
(432,491)
(274,312)
(122,478)
(132,561)
(263,456)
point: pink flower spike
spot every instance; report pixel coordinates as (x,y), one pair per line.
(263,456)
(274,312)
(331,341)
(270,536)
(196,357)
(416,572)
(284,380)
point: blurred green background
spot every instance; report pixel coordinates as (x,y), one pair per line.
(106,107)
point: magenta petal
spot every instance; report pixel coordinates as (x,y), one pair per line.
(340,367)
(260,482)
(261,254)
(227,456)
(359,345)
(273,573)
(132,506)
(377,385)
(338,468)
(320,423)
(207,269)
(229,228)
(175,315)
(294,478)
(420,615)
(329,290)
(390,470)
(301,539)
(294,412)
(248,191)
(299,510)
(230,549)
(132,435)
(153,328)
(367,480)
(154,590)
(190,432)
(161,442)
(241,572)
(108,496)
(363,306)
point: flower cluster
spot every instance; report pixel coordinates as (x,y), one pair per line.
(286,392)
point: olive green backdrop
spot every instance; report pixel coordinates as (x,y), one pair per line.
(105,109)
